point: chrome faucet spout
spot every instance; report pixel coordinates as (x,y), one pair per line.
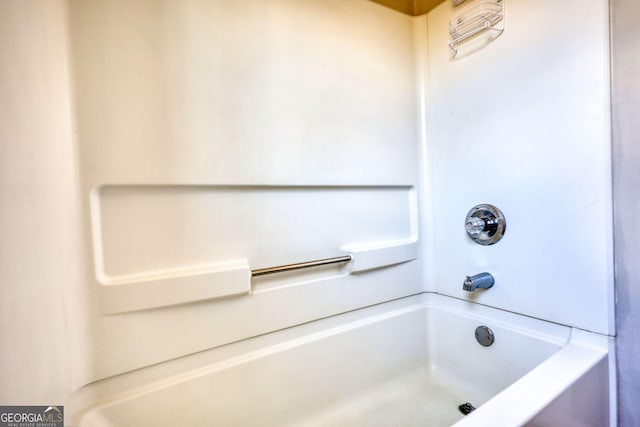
(482,281)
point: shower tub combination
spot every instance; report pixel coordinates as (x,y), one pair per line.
(408,362)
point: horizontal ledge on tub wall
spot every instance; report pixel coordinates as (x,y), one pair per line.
(375,255)
(228,279)
(158,289)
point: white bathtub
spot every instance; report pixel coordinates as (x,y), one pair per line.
(409,362)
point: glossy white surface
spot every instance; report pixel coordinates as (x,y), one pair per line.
(158,246)
(523,123)
(316,377)
(570,388)
(243,92)
(221,136)
(39,206)
(154,152)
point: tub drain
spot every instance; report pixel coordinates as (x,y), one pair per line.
(466,408)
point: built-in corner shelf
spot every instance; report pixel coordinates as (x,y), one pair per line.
(477,18)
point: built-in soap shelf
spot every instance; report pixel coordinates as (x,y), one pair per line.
(228,279)
(476,18)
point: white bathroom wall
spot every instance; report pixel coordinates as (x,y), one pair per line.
(217,137)
(522,122)
(40,322)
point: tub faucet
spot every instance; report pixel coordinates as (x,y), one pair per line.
(482,280)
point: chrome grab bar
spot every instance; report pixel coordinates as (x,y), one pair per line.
(299,265)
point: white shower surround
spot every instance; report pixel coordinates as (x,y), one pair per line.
(154,105)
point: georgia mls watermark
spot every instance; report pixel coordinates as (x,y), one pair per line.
(31,416)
